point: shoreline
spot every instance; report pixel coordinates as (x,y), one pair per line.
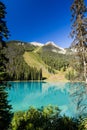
(47,81)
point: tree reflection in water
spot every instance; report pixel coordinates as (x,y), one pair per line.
(78,93)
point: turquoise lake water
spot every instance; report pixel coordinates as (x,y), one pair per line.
(67,96)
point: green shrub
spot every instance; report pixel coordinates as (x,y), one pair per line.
(47,118)
(70,74)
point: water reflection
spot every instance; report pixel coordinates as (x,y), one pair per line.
(38,94)
(78,96)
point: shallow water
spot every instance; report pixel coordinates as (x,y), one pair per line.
(22,95)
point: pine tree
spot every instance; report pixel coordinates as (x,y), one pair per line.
(4,33)
(5,113)
(40,73)
(79,32)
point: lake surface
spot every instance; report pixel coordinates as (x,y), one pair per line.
(69,97)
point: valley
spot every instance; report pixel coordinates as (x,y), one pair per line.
(36,61)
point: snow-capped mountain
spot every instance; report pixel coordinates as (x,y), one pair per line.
(62,50)
(50,46)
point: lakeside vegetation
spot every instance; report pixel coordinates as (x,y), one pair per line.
(46,118)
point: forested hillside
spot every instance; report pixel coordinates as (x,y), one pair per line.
(17,68)
(29,62)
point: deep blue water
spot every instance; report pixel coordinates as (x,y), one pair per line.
(67,96)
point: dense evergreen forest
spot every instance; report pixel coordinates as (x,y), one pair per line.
(17,68)
(55,60)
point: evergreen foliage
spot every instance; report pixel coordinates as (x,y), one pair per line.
(71,74)
(79,33)
(4,33)
(55,60)
(5,113)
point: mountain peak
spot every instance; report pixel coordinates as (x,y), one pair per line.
(51,43)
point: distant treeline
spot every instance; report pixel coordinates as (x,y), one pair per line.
(21,71)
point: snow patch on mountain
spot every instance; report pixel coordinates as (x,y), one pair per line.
(36,44)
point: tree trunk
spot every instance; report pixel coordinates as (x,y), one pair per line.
(85,71)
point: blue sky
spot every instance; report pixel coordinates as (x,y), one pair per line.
(39,20)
